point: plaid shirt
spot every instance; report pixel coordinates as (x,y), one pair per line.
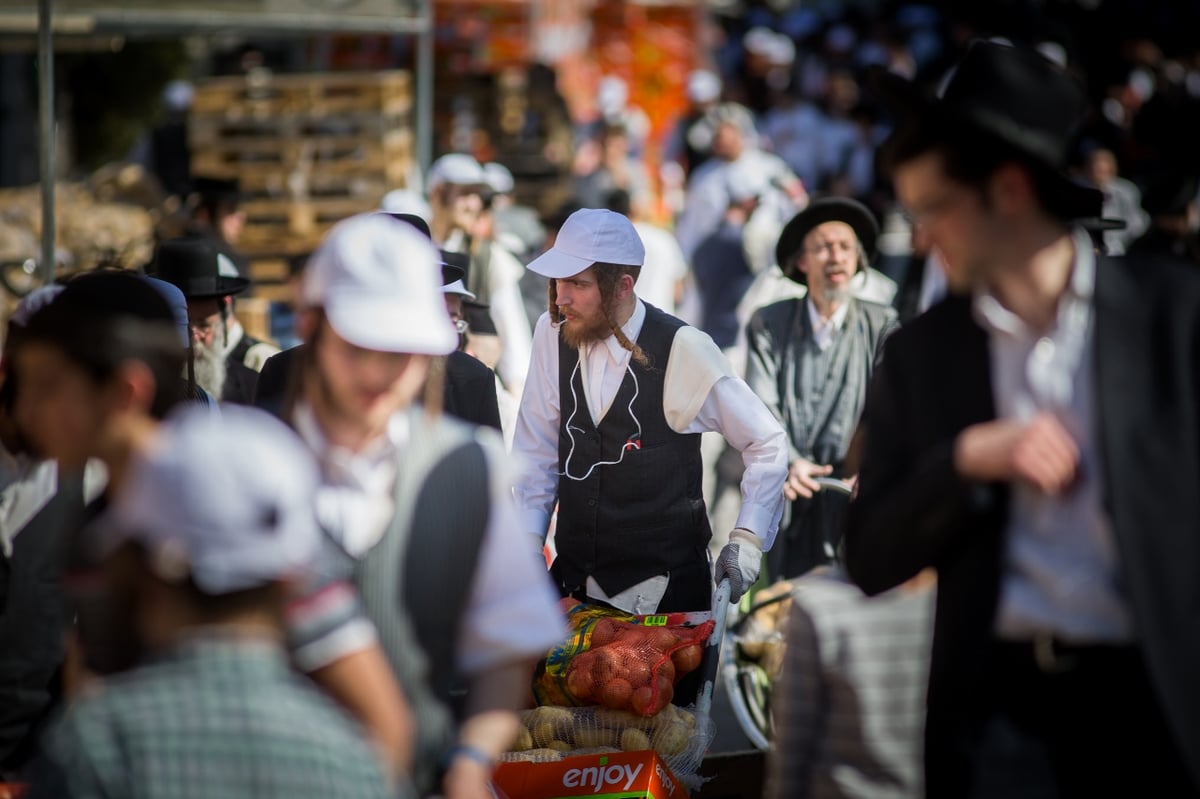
(213,717)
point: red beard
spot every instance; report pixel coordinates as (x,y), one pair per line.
(580,331)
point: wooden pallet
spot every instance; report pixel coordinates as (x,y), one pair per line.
(265,94)
(308,150)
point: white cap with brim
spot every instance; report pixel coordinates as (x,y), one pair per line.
(225,498)
(457,169)
(380,284)
(590,236)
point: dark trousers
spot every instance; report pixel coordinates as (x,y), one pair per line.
(1074,722)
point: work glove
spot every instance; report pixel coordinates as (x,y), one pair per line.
(740,561)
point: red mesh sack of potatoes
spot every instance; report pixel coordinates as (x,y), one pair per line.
(635,666)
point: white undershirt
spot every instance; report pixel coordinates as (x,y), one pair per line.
(826,330)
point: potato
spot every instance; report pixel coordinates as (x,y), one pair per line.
(686,716)
(672,738)
(596,750)
(543,733)
(605,665)
(587,738)
(524,740)
(550,714)
(616,694)
(634,741)
(609,718)
(544,755)
(559,746)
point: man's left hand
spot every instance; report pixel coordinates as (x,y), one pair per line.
(740,561)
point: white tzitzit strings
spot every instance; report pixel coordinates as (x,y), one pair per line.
(633,442)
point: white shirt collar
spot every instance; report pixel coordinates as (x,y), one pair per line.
(992,314)
(341,463)
(632,329)
(824,330)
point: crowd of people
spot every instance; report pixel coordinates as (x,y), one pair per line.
(330,570)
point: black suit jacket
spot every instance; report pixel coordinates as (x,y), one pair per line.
(913,511)
(470,387)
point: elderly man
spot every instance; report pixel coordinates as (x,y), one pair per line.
(616,397)
(810,360)
(227,360)
(1035,440)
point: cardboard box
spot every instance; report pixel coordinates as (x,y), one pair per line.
(623,775)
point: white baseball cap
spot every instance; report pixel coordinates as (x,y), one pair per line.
(499,178)
(380,286)
(405,201)
(703,86)
(589,236)
(225,498)
(457,169)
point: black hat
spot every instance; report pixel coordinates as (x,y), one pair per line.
(455,266)
(818,212)
(1010,94)
(198,268)
(452,268)
(217,189)
(412,219)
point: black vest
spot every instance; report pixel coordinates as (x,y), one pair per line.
(33,619)
(641,517)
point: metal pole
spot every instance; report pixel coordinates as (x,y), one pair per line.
(46,133)
(424,99)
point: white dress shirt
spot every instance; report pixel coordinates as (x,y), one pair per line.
(826,330)
(700,395)
(1062,574)
(512,611)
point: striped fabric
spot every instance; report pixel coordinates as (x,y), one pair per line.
(215,717)
(850,710)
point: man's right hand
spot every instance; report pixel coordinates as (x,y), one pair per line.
(1039,452)
(801,479)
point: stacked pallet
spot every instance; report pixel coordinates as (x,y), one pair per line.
(308,150)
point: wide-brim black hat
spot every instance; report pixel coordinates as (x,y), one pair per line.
(198,268)
(1010,94)
(455,266)
(818,212)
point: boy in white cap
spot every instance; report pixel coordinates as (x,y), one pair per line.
(616,399)
(213,522)
(418,503)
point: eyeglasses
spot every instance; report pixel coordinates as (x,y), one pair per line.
(205,326)
(837,247)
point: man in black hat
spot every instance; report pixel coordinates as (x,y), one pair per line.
(1035,440)
(216,214)
(227,360)
(810,361)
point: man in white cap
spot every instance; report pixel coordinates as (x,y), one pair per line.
(617,396)
(418,504)
(212,524)
(461,222)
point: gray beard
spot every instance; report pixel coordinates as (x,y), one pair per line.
(210,369)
